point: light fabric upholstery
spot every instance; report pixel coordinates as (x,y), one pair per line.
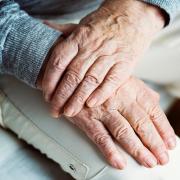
(19,161)
(24,112)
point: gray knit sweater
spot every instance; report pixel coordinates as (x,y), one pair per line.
(25,41)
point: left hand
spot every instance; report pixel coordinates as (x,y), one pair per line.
(134,120)
(106,46)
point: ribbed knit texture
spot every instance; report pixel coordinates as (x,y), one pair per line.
(24,43)
(171,7)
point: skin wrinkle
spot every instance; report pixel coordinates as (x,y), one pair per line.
(126,139)
(156,115)
(92,80)
(129,35)
(142,128)
(107,116)
(114,28)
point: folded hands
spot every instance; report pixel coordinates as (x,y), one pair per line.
(87,77)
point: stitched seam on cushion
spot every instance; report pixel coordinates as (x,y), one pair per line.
(7,100)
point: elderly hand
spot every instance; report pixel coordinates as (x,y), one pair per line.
(99,55)
(124,115)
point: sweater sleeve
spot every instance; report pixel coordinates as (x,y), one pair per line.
(24,42)
(171,7)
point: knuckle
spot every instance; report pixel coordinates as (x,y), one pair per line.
(90,125)
(162,122)
(138,152)
(57,63)
(143,127)
(83,30)
(156,114)
(57,66)
(79,99)
(101,140)
(113,79)
(121,132)
(62,93)
(92,79)
(82,34)
(72,77)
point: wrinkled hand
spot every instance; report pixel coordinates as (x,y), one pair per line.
(126,113)
(99,55)
(66,29)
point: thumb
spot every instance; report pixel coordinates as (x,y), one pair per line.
(65,28)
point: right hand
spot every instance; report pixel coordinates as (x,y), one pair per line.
(66,29)
(99,55)
(133,118)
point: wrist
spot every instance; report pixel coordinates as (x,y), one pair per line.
(138,13)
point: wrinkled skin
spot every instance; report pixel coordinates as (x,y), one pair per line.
(126,113)
(99,55)
(131,116)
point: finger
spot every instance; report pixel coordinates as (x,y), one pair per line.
(91,81)
(87,55)
(70,81)
(163,126)
(97,69)
(124,134)
(64,90)
(157,116)
(90,48)
(115,77)
(144,127)
(66,29)
(56,66)
(98,134)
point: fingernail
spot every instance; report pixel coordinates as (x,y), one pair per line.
(151,162)
(163,158)
(69,111)
(92,102)
(118,162)
(171,143)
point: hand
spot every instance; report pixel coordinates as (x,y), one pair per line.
(99,55)
(133,109)
(66,29)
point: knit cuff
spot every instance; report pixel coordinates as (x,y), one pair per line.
(26,47)
(170,7)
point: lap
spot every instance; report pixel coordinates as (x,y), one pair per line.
(24,112)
